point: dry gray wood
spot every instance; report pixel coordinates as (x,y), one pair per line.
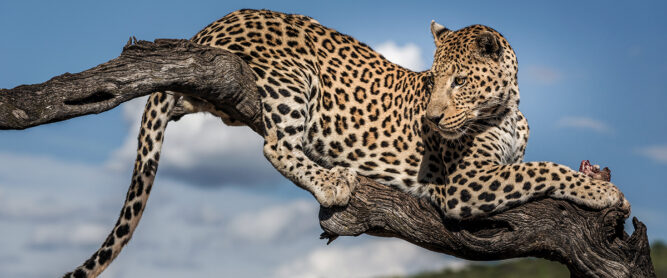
(590,243)
(214,75)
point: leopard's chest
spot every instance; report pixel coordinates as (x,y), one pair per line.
(500,144)
(509,142)
(509,149)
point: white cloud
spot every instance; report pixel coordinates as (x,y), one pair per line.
(543,74)
(383,257)
(62,235)
(271,223)
(53,211)
(34,209)
(60,214)
(585,123)
(202,215)
(408,55)
(41,189)
(201,149)
(658,152)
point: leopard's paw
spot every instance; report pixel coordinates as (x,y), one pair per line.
(622,203)
(615,198)
(337,187)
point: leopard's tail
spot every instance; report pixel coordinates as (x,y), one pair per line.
(151,134)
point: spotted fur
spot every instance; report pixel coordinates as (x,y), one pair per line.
(334,108)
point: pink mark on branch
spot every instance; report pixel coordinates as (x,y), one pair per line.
(594,171)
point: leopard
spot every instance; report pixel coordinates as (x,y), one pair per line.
(333,109)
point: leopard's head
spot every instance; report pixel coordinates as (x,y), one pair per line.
(474,78)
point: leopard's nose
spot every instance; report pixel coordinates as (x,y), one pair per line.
(435,118)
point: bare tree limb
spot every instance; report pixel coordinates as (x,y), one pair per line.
(212,74)
(591,243)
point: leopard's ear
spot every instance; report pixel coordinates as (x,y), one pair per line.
(488,46)
(438,30)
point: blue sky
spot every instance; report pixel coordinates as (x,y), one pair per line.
(591,79)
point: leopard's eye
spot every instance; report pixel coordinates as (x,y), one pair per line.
(459,81)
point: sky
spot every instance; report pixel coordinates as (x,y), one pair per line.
(591,80)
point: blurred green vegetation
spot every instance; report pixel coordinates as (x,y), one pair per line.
(659,257)
(535,268)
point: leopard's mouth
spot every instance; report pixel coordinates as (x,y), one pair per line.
(451,132)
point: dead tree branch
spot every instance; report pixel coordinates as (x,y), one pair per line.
(591,243)
(214,75)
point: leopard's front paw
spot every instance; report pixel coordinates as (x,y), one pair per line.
(337,186)
(625,207)
(615,198)
(623,204)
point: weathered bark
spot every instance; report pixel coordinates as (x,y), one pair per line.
(212,74)
(591,243)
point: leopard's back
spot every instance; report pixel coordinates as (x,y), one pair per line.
(360,110)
